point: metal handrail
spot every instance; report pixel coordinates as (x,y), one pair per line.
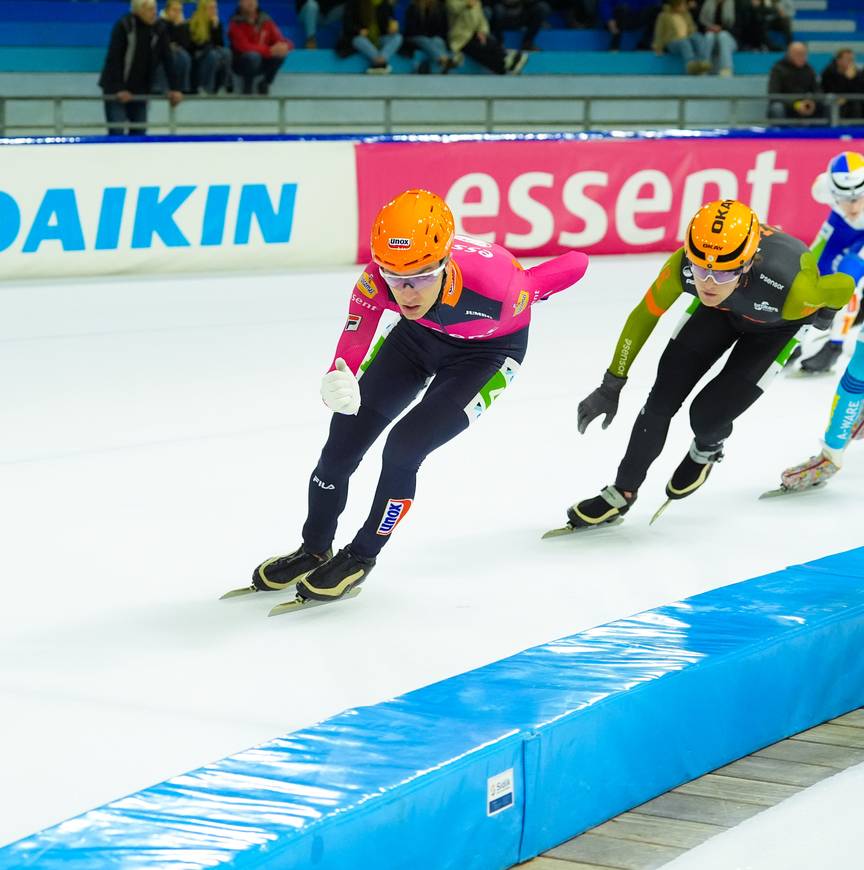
(831,117)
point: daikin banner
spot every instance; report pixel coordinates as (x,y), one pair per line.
(606,196)
(167,207)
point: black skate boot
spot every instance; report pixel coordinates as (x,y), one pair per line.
(608,508)
(693,470)
(282,571)
(335,579)
(821,362)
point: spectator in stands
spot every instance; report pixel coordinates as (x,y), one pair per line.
(718,19)
(177,30)
(258,46)
(621,15)
(370,28)
(527,16)
(675,32)
(426,32)
(792,74)
(756,20)
(842,76)
(311,12)
(212,59)
(136,48)
(469,33)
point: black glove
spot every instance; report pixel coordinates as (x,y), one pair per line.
(604,400)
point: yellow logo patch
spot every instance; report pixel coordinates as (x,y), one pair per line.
(521,303)
(366,285)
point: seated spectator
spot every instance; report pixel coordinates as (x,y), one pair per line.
(370,28)
(181,46)
(212,59)
(718,19)
(793,75)
(469,33)
(426,32)
(258,46)
(311,12)
(842,76)
(751,18)
(527,16)
(621,15)
(136,49)
(675,32)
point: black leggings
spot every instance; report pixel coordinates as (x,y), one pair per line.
(705,335)
(466,374)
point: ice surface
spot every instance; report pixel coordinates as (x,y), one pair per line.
(156,438)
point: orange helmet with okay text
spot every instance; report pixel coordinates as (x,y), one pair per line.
(723,235)
(416,229)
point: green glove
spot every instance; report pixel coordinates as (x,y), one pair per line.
(811,291)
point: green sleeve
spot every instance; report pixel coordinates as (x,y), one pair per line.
(667,287)
(811,291)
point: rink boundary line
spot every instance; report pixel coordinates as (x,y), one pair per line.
(498,764)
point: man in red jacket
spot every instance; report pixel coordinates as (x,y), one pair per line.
(258,45)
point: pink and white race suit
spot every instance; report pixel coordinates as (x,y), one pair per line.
(488,295)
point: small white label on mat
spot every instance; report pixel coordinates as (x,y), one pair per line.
(499,792)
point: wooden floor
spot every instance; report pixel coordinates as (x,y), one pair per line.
(653,834)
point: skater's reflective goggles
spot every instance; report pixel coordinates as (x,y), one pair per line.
(417,281)
(718,276)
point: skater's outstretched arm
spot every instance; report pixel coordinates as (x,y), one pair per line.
(811,291)
(667,287)
(553,276)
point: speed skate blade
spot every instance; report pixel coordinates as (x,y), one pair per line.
(785,490)
(571,530)
(306,603)
(251,590)
(237,593)
(659,511)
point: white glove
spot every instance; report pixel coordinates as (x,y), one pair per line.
(340,390)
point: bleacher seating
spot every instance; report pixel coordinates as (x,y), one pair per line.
(71,36)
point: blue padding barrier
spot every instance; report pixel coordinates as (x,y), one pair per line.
(496,765)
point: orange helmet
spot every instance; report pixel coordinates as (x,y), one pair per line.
(413,230)
(723,234)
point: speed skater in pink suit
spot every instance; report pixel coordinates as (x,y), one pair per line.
(465,309)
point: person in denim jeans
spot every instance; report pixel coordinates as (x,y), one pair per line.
(137,47)
(675,33)
(426,32)
(718,19)
(177,30)
(310,12)
(258,46)
(370,28)
(212,57)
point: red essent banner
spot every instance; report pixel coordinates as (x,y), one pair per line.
(602,196)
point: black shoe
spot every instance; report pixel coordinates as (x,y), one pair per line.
(822,361)
(335,578)
(263,87)
(603,508)
(693,470)
(282,571)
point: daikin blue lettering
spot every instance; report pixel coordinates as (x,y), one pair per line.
(157,214)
